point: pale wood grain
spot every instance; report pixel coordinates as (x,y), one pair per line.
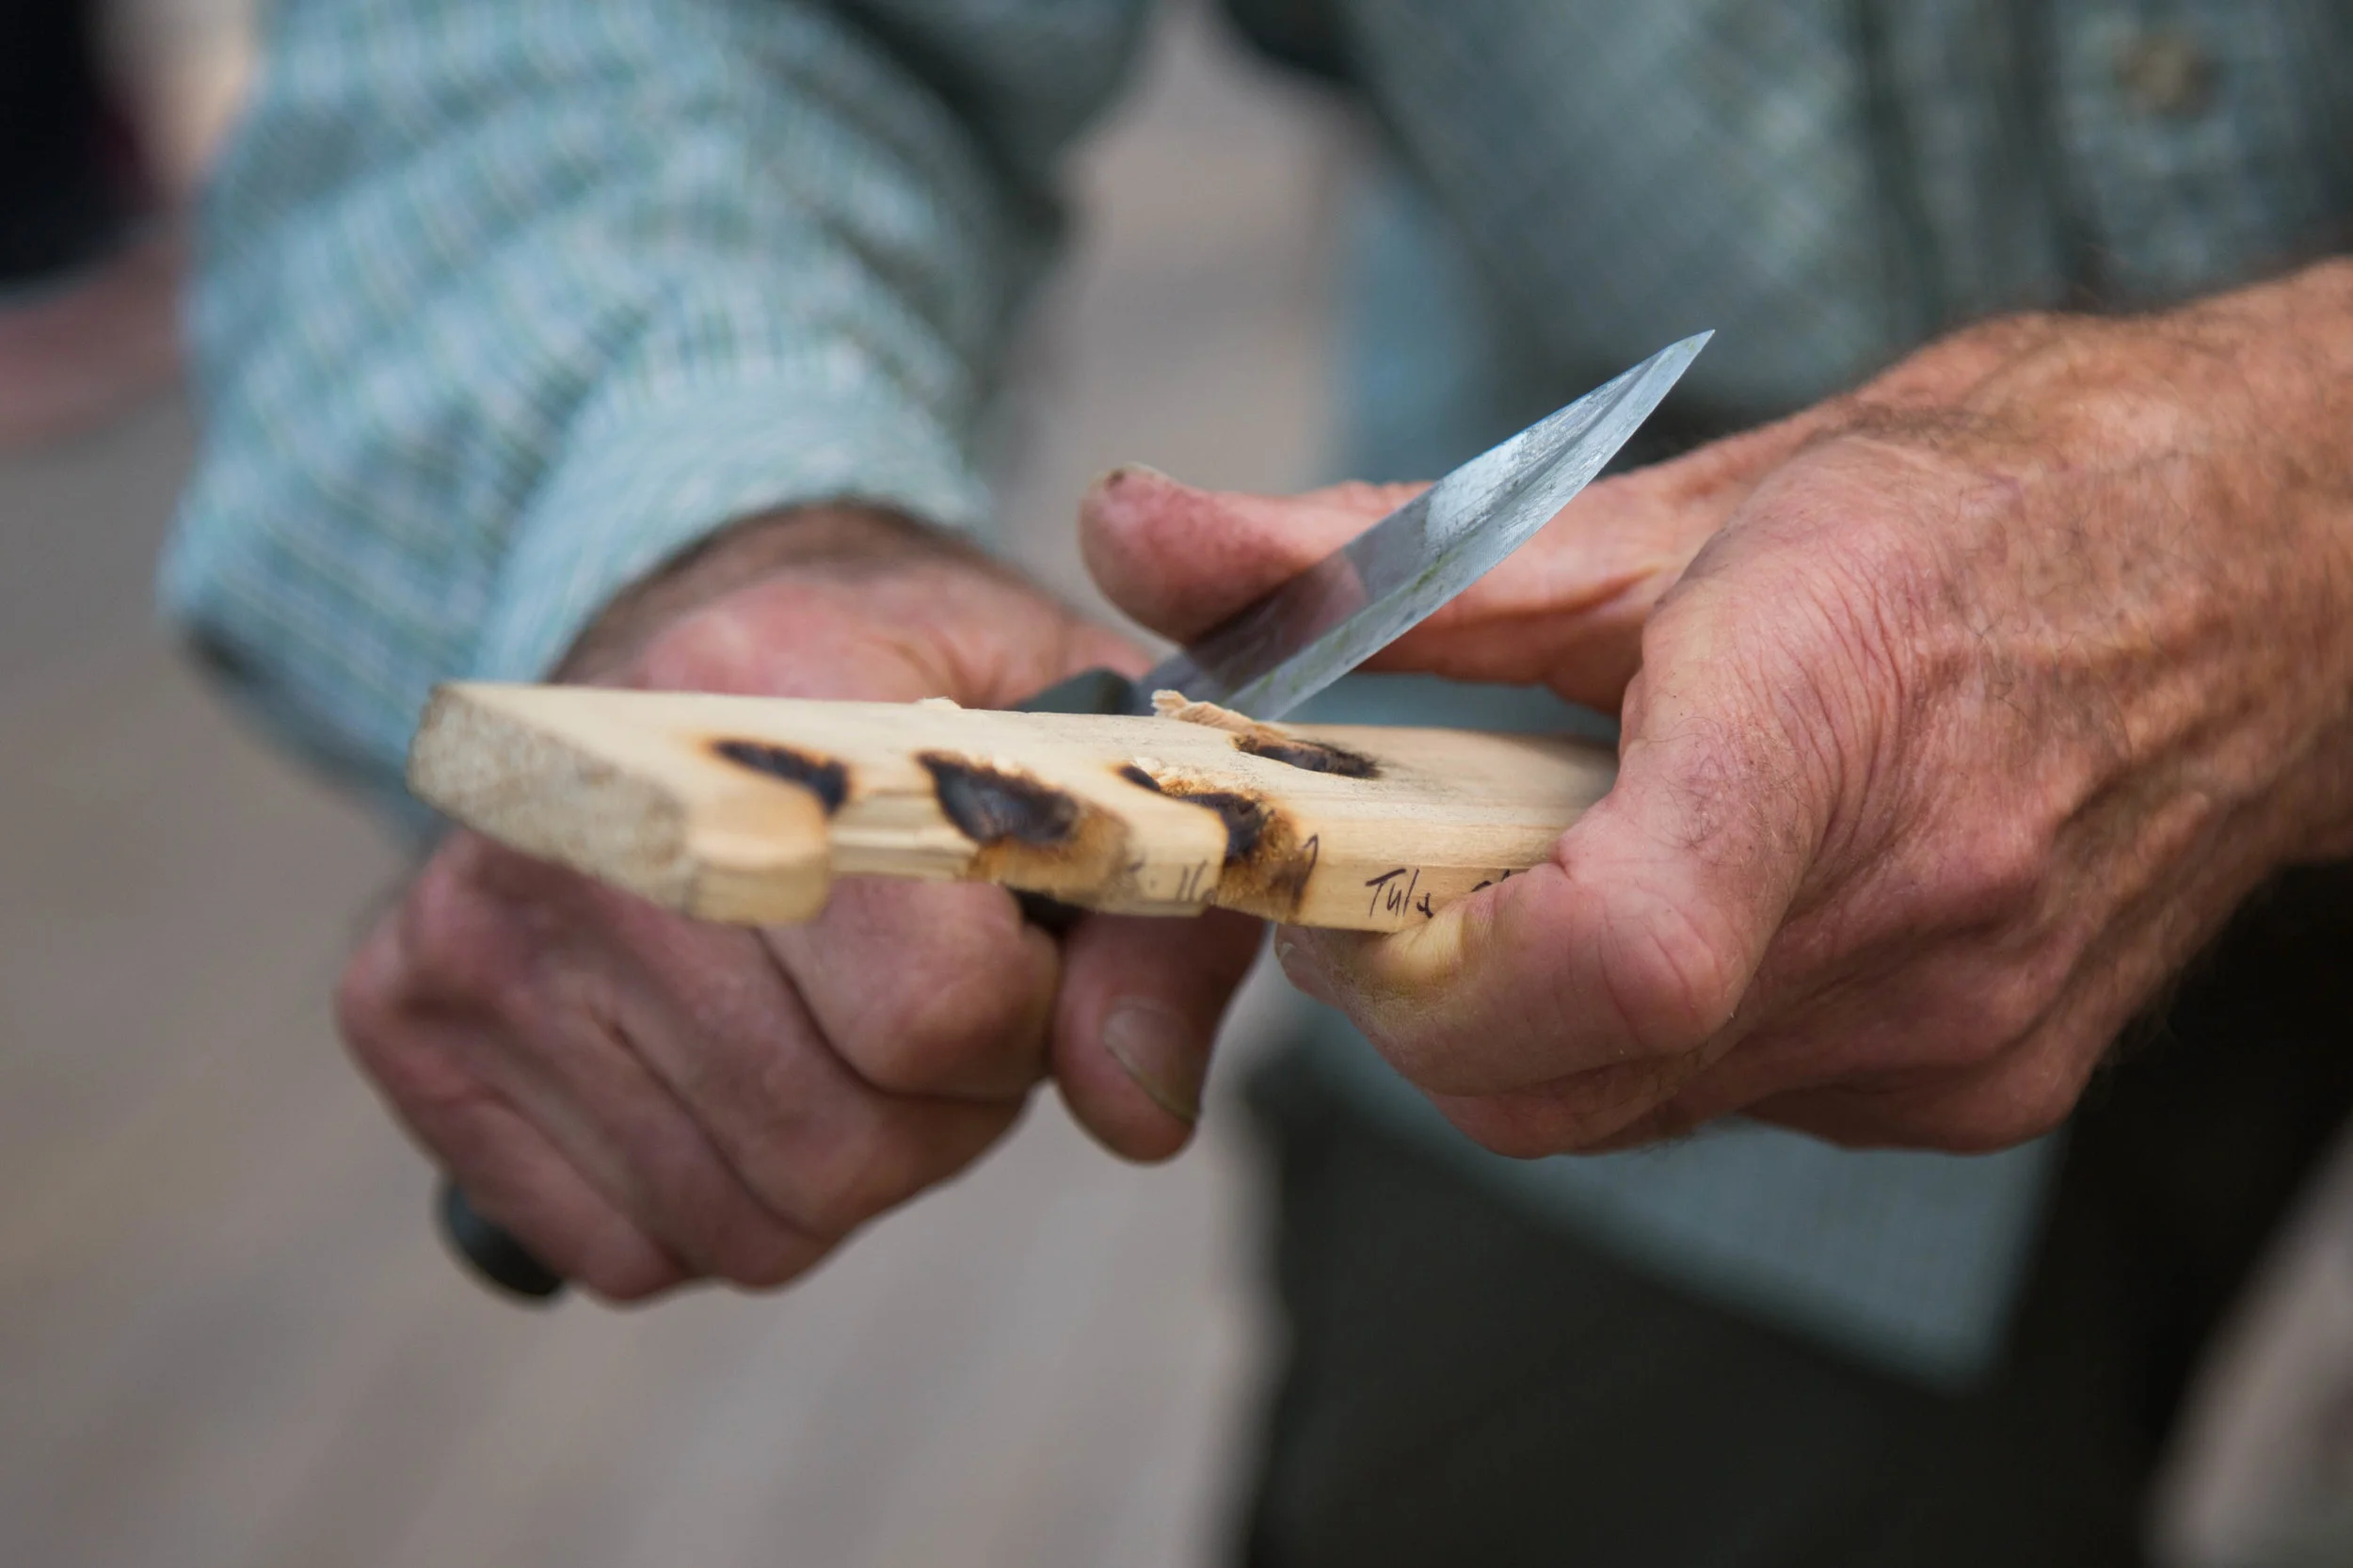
(745,809)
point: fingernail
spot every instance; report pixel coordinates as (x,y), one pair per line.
(1161,1053)
(1112,478)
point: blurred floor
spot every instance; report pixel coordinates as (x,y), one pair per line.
(226,1335)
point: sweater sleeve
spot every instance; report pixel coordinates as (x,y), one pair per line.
(503,303)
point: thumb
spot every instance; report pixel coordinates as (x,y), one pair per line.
(1562,1005)
(1138,1013)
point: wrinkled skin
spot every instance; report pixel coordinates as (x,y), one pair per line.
(644,1099)
(1957,714)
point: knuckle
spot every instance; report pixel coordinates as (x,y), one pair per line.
(2011,1003)
(1990,996)
(365,1005)
(1517,1127)
(1602,1107)
(1957,1011)
(714,648)
(2022,1102)
(2000,871)
(866,1162)
(764,1254)
(456,943)
(1514,1135)
(924,1039)
(619,1271)
(625,1284)
(426,1082)
(1671,985)
(776,1265)
(406,1074)
(842,1186)
(830,1178)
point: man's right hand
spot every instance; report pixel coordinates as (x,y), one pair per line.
(643,1099)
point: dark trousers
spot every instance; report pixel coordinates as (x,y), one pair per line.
(1465,1385)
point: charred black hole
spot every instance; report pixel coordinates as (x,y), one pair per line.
(1245,819)
(1140,778)
(827,779)
(989,807)
(1312,755)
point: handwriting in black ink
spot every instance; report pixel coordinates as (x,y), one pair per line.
(1389,894)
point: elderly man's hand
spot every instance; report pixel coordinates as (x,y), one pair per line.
(643,1099)
(1957,714)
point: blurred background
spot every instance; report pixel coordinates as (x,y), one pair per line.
(227,1334)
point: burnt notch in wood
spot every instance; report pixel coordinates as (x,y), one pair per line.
(1314,756)
(1246,817)
(990,806)
(1245,821)
(1268,865)
(822,776)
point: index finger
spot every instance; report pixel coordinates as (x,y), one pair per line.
(1565,609)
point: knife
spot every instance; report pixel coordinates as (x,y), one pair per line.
(1294,641)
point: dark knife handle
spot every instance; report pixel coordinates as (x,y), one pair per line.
(1095,691)
(505,1265)
(490,1253)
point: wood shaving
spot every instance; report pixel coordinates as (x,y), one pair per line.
(1174,705)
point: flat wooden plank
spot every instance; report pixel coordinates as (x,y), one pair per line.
(745,809)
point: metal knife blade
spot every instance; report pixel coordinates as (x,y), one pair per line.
(1283,648)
